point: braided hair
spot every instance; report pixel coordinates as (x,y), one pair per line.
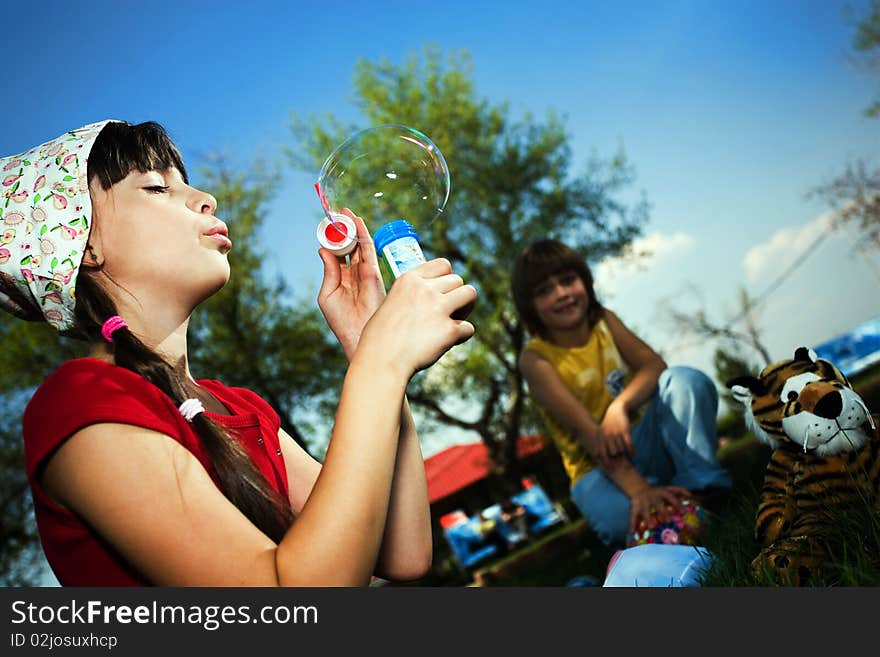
(119,149)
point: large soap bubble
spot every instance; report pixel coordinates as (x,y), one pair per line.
(382,174)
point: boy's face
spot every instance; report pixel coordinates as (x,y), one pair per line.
(561,301)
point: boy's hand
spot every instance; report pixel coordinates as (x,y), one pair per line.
(653,504)
(614,433)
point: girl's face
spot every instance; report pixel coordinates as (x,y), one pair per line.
(158,238)
(561,301)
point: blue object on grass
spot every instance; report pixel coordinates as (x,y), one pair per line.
(582,580)
(854,351)
(468,543)
(506,530)
(540,509)
(658,565)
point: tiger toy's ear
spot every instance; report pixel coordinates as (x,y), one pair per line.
(810,356)
(805,354)
(744,388)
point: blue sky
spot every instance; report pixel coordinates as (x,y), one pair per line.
(730,113)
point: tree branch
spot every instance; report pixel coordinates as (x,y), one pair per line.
(424,401)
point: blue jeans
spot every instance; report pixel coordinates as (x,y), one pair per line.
(675,444)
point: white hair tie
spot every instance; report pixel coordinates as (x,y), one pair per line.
(190,408)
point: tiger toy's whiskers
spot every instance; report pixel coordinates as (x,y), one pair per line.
(846,435)
(861,403)
(806,437)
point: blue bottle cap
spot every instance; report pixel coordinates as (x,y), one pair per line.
(391,231)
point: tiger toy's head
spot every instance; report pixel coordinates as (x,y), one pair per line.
(807,401)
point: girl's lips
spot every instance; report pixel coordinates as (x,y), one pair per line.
(220,237)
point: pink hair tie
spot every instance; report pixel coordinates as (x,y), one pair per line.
(112,325)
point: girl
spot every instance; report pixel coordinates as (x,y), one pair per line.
(143,474)
(634,435)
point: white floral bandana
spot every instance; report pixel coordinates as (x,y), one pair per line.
(45,217)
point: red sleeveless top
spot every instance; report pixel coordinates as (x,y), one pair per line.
(88,391)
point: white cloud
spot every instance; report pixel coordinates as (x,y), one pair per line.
(643,254)
(773,256)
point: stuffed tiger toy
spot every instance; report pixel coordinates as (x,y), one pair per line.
(825,460)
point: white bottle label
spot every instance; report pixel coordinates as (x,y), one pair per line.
(402,255)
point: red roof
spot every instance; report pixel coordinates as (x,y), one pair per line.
(459,466)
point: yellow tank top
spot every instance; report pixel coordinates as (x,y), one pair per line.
(595,373)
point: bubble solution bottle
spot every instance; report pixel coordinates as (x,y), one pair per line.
(398,244)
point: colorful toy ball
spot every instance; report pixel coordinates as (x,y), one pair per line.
(684,528)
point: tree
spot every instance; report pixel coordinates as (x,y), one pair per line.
(732,339)
(512,183)
(855,193)
(30,352)
(735,354)
(866,42)
(730,363)
(20,552)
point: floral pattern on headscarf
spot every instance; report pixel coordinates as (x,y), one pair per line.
(45,218)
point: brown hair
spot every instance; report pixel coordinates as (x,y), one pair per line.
(120,149)
(534,265)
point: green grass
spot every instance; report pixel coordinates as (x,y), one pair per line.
(730,539)
(852,546)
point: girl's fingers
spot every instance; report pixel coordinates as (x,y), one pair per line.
(447,283)
(604,456)
(366,249)
(332,273)
(616,448)
(465,331)
(459,297)
(680,492)
(464,311)
(670,499)
(434,268)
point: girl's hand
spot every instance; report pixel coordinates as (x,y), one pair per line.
(614,437)
(414,325)
(351,293)
(653,503)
